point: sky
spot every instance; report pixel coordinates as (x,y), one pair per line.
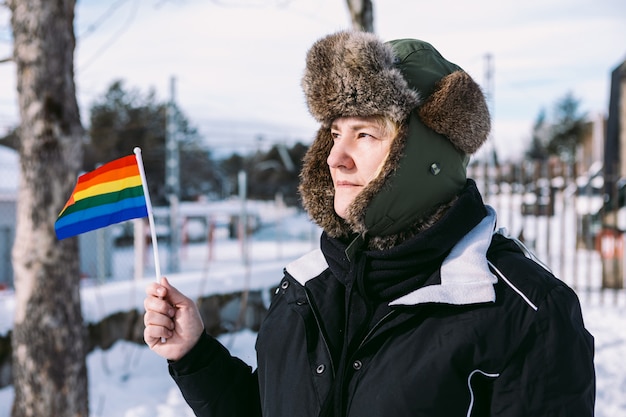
(234,66)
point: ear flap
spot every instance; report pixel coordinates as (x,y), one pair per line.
(316,186)
(457,109)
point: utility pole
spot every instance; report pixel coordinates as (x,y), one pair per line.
(489,95)
(172,177)
(489,80)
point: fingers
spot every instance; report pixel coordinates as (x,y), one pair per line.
(154,332)
(172,294)
(163,297)
(170,315)
(159,314)
(153,318)
(158,305)
(165,290)
(156,290)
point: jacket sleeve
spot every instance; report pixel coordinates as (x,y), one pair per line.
(552,373)
(216,384)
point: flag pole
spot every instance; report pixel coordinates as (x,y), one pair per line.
(144,183)
(155,246)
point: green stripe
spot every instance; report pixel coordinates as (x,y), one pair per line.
(101,199)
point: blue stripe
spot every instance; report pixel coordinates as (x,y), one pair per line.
(100,211)
(91,223)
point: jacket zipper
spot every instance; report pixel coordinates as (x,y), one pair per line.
(374,328)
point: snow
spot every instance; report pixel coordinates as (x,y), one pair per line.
(129,380)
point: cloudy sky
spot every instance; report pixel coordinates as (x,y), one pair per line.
(237,63)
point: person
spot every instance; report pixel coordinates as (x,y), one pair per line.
(415,303)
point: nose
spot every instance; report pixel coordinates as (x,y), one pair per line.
(340,156)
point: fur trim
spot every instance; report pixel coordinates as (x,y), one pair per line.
(317,193)
(316,187)
(356,74)
(457,110)
(353,74)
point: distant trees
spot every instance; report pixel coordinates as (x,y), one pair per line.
(269,173)
(560,135)
(568,128)
(124,118)
(538,149)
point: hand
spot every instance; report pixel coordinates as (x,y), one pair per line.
(172,316)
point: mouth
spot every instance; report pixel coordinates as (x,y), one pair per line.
(345,184)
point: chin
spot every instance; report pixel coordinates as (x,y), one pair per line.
(341,210)
(342,204)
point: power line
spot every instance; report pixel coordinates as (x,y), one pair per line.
(116,35)
(253,3)
(103,18)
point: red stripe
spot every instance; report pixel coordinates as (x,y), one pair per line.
(116,164)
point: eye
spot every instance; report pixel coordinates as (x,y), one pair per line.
(367,135)
(334,135)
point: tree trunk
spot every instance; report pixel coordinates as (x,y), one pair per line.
(48,341)
(362,15)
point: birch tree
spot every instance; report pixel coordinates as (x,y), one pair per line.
(361,14)
(48,341)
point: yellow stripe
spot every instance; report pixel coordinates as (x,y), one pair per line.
(108,187)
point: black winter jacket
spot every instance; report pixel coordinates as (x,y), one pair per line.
(485,332)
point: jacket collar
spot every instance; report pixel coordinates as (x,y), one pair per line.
(465,274)
(307,267)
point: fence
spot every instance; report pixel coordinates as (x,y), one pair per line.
(565,218)
(561,215)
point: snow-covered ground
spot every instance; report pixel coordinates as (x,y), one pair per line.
(129,380)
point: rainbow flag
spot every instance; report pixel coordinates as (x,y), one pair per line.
(109,194)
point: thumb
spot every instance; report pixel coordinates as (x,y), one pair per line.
(173,295)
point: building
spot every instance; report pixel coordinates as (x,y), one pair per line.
(9,172)
(95,248)
(615,145)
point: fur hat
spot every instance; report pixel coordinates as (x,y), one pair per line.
(443,118)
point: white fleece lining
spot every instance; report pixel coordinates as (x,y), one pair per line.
(469,385)
(307,266)
(465,274)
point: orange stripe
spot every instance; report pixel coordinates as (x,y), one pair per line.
(69,203)
(125,161)
(107,176)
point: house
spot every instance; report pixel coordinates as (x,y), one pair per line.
(9,172)
(615,144)
(95,257)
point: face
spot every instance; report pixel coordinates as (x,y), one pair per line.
(360,147)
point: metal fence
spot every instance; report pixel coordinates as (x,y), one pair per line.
(564,217)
